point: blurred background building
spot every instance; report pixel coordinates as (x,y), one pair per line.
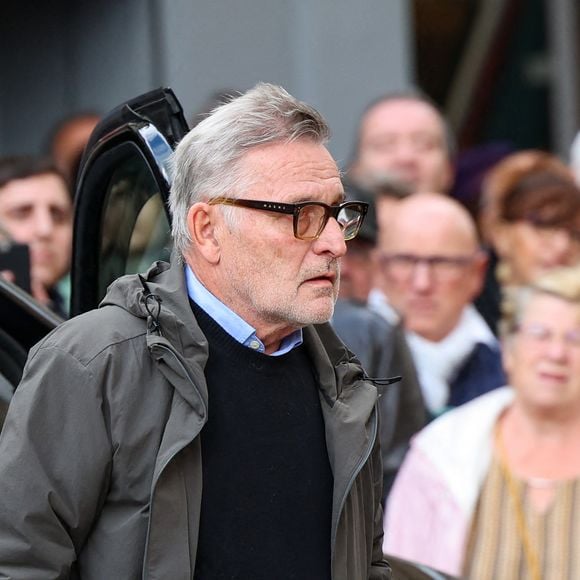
(502,70)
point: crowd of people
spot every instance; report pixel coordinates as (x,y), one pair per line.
(483,482)
(449,397)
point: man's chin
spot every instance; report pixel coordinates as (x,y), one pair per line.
(319,314)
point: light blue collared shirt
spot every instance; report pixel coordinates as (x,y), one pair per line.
(233,324)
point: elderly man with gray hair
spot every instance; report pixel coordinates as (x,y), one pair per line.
(205,422)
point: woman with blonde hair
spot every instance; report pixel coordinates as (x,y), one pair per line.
(492,489)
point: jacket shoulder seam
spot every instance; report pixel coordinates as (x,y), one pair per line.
(88,362)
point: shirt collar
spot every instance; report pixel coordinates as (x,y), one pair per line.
(233,324)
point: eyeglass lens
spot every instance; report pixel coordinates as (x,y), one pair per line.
(446,268)
(350,218)
(542,334)
(312,219)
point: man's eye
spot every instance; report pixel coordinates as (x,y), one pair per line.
(425,143)
(60,216)
(19,213)
(407,261)
(383,145)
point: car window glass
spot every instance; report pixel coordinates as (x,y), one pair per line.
(135,228)
(151,239)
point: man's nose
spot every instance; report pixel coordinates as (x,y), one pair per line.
(43,222)
(331,240)
(405,152)
(422,276)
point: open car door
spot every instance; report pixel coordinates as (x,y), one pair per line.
(122,221)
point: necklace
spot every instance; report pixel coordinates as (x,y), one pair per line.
(530,552)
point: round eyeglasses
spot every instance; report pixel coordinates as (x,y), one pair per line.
(310,217)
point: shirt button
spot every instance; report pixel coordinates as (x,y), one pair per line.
(254,344)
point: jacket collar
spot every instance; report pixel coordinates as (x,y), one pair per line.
(160,297)
(173,336)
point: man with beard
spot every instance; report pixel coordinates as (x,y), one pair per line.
(205,421)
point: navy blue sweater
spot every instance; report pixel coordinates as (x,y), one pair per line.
(267,483)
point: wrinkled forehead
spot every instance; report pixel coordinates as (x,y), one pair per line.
(301,170)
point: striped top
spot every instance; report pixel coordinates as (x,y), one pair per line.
(495,549)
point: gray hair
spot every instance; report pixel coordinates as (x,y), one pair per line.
(563,283)
(205,164)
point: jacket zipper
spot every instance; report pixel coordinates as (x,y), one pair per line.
(354,475)
(169,459)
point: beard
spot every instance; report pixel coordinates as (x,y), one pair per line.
(286,303)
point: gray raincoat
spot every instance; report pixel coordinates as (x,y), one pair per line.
(100,456)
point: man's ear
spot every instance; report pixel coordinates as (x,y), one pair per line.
(478,272)
(201,224)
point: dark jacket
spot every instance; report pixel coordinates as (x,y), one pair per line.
(480,373)
(100,457)
(383,352)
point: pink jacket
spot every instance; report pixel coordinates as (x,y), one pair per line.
(431,504)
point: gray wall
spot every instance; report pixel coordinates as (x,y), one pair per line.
(70,55)
(63,56)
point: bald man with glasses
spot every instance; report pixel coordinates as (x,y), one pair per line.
(430,269)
